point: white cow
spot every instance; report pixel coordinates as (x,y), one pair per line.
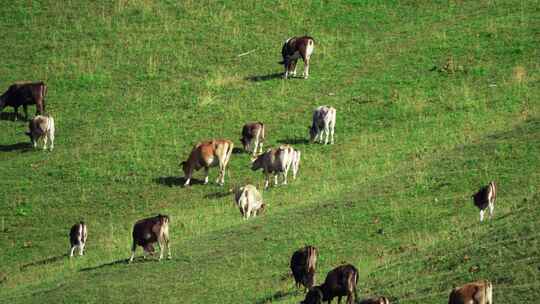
(324,121)
(274,161)
(42,127)
(249,201)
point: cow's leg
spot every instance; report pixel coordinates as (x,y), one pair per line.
(133,248)
(45,137)
(25,108)
(81,248)
(51,138)
(491,208)
(276,179)
(16,112)
(332,134)
(481,215)
(326,134)
(266,180)
(306,68)
(285,176)
(293,67)
(221,176)
(72,250)
(286,74)
(255,146)
(206,169)
(260,147)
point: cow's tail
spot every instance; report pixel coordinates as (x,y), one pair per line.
(43,92)
(353,279)
(228,157)
(312,257)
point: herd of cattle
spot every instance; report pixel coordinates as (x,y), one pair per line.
(339,282)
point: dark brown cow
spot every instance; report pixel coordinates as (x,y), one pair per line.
(303,266)
(253,136)
(341,281)
(480,292)
(148,231)
(294,48)
(24,94)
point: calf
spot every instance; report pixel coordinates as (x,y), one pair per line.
(485,198)
(303,266)
(339,282)
(208,154)
(42,127)
(253,136)
(24,94)
(274,161)
(294,48)
(249,201)
(77,238)
(323,123)
(480,292)
(148,231)
(379,300)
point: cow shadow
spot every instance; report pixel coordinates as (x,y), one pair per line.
(294,141)
(113,263)
(44,261)
(22,146)
(217,195)
(171,181)
(12,116)
(237,150)
(264,77)
(277,296)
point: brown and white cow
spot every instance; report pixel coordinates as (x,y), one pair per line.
(274,161)
(294,48)
(303,266)
(151,230)
(24,94)
(77,238)
(323,123)
(249,201)
(253,137)
(42,127)
(341,281)
(379,300)
(208,154)
(479,292)
(485,198)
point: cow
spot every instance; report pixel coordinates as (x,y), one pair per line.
(274,161)
(148,231)
(41,127)
(24,94)
(249,201)
(479,292)
(77,238)
(208,154)
(323,123)
(485,198)
(295,162)
(294,48)
(379,300)
(339,282)
(303,266)
(253,137)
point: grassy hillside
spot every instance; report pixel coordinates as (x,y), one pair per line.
(433,99)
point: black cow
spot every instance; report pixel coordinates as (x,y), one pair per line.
(24,94)
(341,281)
(148,231)
(303,266)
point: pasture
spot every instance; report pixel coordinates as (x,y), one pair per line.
(434,99)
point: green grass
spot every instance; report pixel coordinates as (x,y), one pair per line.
(134,84)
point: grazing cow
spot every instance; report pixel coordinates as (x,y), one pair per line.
(148,231)
(341,281)
(42,127)
(295,162)
(274,161)
(77,238)
(253,136)
(208,154)
(485,198)
(294,48)
(249,201)
(24,94)
(479,292)
(303,266)
(324,121)
(379,300)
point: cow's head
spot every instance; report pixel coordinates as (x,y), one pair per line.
(2,103)
(257,162)
(314,296)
